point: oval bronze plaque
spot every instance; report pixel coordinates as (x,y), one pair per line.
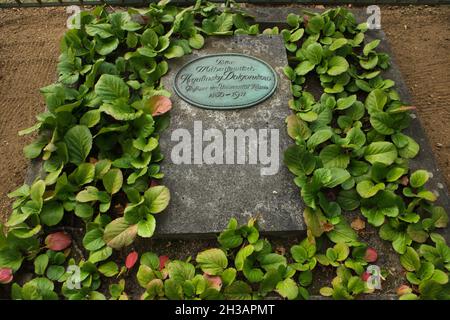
(225,81)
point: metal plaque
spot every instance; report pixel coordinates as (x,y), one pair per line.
(225,81)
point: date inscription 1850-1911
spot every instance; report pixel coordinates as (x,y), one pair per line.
(225,81)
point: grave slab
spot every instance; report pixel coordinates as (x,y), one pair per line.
(269,17)
(205,196)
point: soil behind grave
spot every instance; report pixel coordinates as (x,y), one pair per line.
(29,49)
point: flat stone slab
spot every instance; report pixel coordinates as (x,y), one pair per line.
(205,196)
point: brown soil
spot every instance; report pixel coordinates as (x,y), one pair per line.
(420,40)
(29,48)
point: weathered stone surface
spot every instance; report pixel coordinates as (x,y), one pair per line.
(206,196)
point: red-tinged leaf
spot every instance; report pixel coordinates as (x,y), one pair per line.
(154,183)
(6,275)
(58,241)
(163,261)
(214,282)
(305,20)
(365,276)
(131,259)
(159,105)
(403,289)
(371,255)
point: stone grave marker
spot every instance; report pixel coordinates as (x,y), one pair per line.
(225,143)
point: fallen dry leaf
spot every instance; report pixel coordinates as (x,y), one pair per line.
(327,227)
(358,224)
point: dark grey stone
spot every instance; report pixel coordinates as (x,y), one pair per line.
(204,197)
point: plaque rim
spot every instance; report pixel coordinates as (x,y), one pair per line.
(242,106)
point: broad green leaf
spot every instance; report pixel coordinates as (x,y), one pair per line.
(297,127)
(151,260)
(375,101)
(299,161)
(174,52)
(105,46)
(337,65)
(381,151)
(196,41)
(315,24)
(120,110)
(319,137)
(79,143)
(85,173)
(180,271)
(149,38)
(212,261)
(52,213)
(338,43)
(238,290)
(410,150)
(367,189)
(345,103)
(103,30)
(304,67)
(109,269)
(10,258)
(337,176)
(418,178)
(113,180)
(287,289)
(119,233)
(90,118)
(54,273)
(40,264)
(270,281)
(146,227)
(410,260)
(111,87)
(243,254)
(93,240)
(342,251)
(383,122)
(100,255)
(370,46)
(342,232)
(332,156)
(157,198)
(272,261)
(314,53)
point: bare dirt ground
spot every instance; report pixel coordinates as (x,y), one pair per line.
(29,48)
